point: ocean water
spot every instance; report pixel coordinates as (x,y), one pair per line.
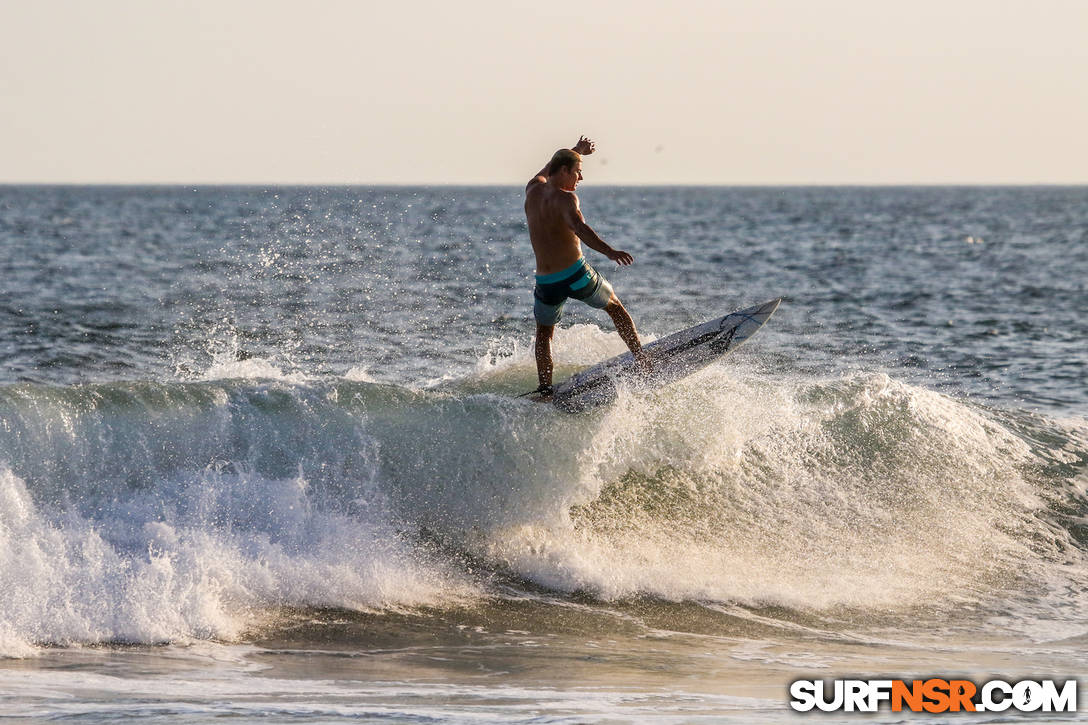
(261,455)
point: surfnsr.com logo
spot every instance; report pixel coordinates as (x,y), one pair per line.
(933,695)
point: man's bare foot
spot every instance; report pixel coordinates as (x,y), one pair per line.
(543,394)
(643,362)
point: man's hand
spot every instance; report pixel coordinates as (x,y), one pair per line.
(621,258)
(584,147)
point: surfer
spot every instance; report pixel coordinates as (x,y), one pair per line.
(555,227)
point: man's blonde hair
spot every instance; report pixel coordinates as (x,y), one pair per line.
(561,158)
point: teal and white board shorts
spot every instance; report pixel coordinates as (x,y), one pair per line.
(578,281)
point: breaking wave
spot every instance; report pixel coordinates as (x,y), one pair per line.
(151,512)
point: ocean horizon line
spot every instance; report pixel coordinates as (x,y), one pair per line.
(498,185)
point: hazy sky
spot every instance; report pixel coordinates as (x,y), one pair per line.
(396,91)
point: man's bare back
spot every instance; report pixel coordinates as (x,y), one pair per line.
(555,217)
(554,242)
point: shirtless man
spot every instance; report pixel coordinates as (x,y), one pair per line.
(555,228)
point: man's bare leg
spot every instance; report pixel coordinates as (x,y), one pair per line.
(626,327)
(544,354)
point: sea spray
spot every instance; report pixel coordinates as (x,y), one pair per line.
(861,491)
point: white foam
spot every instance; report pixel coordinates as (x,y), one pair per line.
(359,374)
(855,492)
(255,368)
(200,557)
(160,513)
(579,345)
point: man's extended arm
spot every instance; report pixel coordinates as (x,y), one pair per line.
(592,240)
(584,147)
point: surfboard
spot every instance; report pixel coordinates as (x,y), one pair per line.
(671,358)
